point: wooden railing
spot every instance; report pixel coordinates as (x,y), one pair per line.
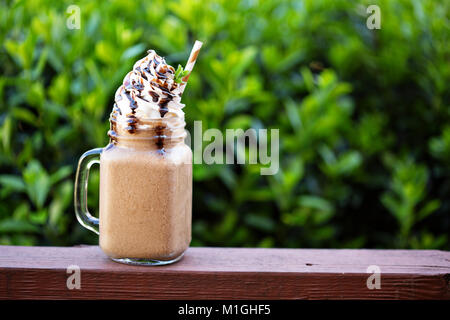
(227,273)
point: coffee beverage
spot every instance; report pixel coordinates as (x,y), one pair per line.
(145,199)
(145,171)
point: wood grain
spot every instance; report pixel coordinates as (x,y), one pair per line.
(226,273)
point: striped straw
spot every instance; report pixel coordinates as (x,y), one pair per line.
(191,62)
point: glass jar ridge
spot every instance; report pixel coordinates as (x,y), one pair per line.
(159,134)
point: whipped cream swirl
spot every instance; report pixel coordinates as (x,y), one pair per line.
(148,93)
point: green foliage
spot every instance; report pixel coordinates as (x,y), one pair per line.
(407,191)
(363,115)
(180,74)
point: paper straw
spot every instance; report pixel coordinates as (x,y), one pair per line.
(190,63)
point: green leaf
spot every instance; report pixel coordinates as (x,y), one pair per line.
(25,115)
(39,217)
(7,133)
(13,182)
(37,183)
(260,222)
(21,212)
(59,175)
(180,74)
(315,203)
(239,61)
(308,79)
(60,202)
(428,209)
(133,51)
(11,225)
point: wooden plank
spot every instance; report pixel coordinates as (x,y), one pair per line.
(226,273)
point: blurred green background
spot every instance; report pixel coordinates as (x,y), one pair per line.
(364,116)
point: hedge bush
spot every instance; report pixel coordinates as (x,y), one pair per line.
(364,115)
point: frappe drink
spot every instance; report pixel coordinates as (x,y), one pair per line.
(145,171)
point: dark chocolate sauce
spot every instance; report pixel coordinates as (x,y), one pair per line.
(138,86)
(154,95)
(160,136)
(163,102)
(132,120)
(113,124)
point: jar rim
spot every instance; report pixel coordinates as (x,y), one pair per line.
(134,136)
(149,129)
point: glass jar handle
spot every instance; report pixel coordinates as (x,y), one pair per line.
(81,185)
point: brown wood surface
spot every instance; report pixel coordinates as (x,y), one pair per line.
(226,273)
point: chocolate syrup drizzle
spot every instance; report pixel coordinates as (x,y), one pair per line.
(159,75)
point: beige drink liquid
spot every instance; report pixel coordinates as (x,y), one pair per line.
(145,200)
